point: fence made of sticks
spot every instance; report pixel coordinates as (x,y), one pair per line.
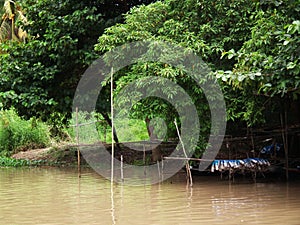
(126,152)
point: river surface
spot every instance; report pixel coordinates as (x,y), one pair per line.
(58,196)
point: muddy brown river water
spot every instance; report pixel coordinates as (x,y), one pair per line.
(57,196)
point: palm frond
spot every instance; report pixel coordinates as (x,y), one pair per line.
(11,15)
(21,16)
(22,35)
(9,8)
(4,30)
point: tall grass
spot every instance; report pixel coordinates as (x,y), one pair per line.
(17,134)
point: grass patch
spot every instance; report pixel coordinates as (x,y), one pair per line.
(17,134)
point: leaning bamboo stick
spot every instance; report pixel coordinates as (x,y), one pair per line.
(188,169)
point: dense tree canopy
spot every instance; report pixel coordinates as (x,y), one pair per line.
(252,46)
(39,77)
(270,58)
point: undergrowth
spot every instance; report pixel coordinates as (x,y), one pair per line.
(17,134)
(11,162)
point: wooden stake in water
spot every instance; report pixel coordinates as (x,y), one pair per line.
(144,158)
(158,169)
(77,142)
(112,125)
(122,172)
(113,218)
(284,133)
(286,147)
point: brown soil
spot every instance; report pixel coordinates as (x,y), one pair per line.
(65,154)
(35,154)
(62,155)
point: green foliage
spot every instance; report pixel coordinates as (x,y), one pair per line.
(17,134)
(251,46)
(269,61)
(206,27)
(10,162)
(131,130)
(93,128)
(39,77)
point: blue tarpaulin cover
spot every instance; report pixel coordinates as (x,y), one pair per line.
(249,163)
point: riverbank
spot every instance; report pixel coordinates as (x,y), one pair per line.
(50,156)
(66,154)
(53,156)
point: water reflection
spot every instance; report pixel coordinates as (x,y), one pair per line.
(57,196)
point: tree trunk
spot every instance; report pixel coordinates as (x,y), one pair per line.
(156,153)
(108,120)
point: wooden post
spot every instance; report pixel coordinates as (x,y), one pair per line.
(105,133)
(284,139)
(144,154)
(188,169)
(162,167)
(286,149)
(144,158)
(252,142)
(112,125)
(158,168)
(122,172)
(77,142)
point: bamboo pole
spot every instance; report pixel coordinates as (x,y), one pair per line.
(112,151)
(188,169)
(112,126)
(286,145)
(77,142)
(113,217)
(193,159)
(144,158)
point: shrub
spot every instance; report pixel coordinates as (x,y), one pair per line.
(17,134)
